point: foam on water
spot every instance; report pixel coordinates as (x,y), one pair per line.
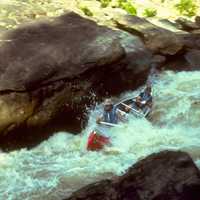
(61,164)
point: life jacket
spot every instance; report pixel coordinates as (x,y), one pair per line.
(111,116)
(134,105)
(146,96)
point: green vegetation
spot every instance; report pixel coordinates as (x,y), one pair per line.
(86,11)
(128,6)
(187,7)
(121,2)
(105,3)
(150,12)
(16,12)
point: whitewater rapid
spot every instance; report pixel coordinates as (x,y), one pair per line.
(61,164)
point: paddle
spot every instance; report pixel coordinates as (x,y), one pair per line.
(110,124)
(136,111)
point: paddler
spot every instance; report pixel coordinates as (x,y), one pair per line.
(143,102)
(110,114)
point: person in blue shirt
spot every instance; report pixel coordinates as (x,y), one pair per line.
(143,102)
(110,114)
(146,97)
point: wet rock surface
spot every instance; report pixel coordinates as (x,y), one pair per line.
(157,39)
(166,175)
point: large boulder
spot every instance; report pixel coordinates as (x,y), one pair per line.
(166,175)
(191,40)
(51,68)
(187,25)
(157,39)
(193,57)
(188,58)
(43,53)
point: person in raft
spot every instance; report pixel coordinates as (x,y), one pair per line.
(143,102)
(110,114)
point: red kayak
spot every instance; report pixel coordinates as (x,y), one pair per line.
(96,142)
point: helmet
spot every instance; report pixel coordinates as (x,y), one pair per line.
(148,87)
(108,102)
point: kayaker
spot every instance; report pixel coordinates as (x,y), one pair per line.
(110,114)
(143,101)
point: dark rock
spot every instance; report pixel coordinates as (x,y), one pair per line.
(65,48)
(186,25)
(178,63)
(193,57)
(158,40)
(188,60)
(97,191)
(163,176)
(196,35)
(49,69)
(190,40)
(158,60)
(197,20)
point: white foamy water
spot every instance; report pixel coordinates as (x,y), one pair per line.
(61,164)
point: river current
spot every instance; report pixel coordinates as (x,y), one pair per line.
(61,164)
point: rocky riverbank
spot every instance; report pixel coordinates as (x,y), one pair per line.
(166,175)
(53,69)
(49,68)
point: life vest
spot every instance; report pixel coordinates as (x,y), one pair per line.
(146,97)
(110,116)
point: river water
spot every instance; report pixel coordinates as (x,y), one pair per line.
(61,164)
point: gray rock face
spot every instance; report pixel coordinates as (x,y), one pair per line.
(156,39)
(163,176)
(172,47)
(42,53)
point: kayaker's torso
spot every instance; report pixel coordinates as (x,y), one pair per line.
(111,116)
(145,96)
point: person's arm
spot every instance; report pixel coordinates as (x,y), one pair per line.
(150,102)
(99,119)
(128,108)
(141,95)
(121,115)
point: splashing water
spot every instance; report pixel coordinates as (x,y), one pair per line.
(61,164)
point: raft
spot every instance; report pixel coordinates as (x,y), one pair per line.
(98,140)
